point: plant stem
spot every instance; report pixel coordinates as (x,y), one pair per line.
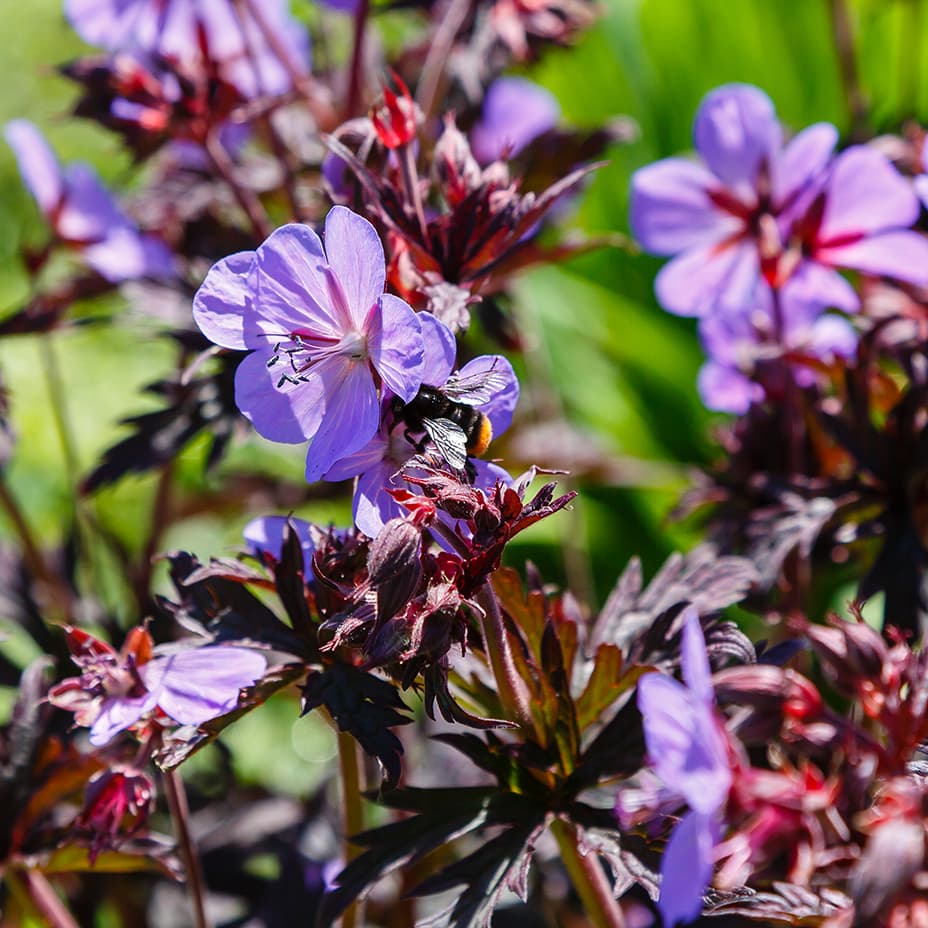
(180,816)
(588,878)
(246,197)
(353,811)
(433,70)
(843,35)
(407,161)
(46,900)
(512,690)
(353,99)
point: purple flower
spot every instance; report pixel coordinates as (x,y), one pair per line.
(324,337)
(265,538)
(921,181)
(116,690)
(377,463)
(750,350)
(515,112)
(754,206)
(83,214)
(232,37)
(687,748)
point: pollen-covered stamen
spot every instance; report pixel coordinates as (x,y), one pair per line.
(301,351)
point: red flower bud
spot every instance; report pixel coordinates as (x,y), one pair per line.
(395,119)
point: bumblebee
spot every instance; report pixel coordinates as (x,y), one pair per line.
(449,416)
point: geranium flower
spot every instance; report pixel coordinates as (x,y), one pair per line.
(688,750)
(324,337)
(515,112)
(235,42)
(83,214)
(754,206)
(750,349)
(377,463)
(117,689)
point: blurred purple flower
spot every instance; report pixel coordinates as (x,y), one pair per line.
(242,41)
(749,350)
(83,214)
(755,206)
(115,690)
(719,215)
(687,748)
(324,337)
(377,463)
(265,538)
(921,181)
(515,112)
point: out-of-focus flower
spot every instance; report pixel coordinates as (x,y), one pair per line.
(750,350)
(721,215)
(379,461)
(515,112)
(117,804)
(245,43)
(83,214)
(265,536)
(324,337)
(117,689)
(688,750)
(921,181)
(756,207)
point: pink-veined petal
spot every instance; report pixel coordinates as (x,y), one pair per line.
(686,868)
(37,164)
(736,131)
(355,254)
(202,683)
(701,279)
(395,347)
(671,210)
(292,289)
(350,416)
(291,414)
(902,255)
(219,305)
(865,194)
(118,714)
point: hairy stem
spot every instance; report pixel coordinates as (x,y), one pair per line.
(180,816)
(353,811)
(588,878)
(511,688)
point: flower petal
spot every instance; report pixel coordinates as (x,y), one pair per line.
(373,506)
(37,164)
(371,455)
(901,255)
(395,347)
(697,673)
(355,254)
(126,254)
(802,163)
(726,389)
(671,210)
(515,112)
(292,289)
(265,535)
(865,194)
(816,284)
(289,415)
(701,279)
(736,131)
(350,414)
(89,212)
(686,869)
(439,350)
(118,714)
(501,405)
(219,305)
(202,683)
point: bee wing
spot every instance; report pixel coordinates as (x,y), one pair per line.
(475,389)
(449,439)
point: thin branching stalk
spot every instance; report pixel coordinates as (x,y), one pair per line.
(180,817)
(434,70)
(407,159)
(356,67)
(588,877)
(249,202)
(47,901)
(353,810)
(843,36)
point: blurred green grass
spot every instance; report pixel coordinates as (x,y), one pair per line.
(623,369)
